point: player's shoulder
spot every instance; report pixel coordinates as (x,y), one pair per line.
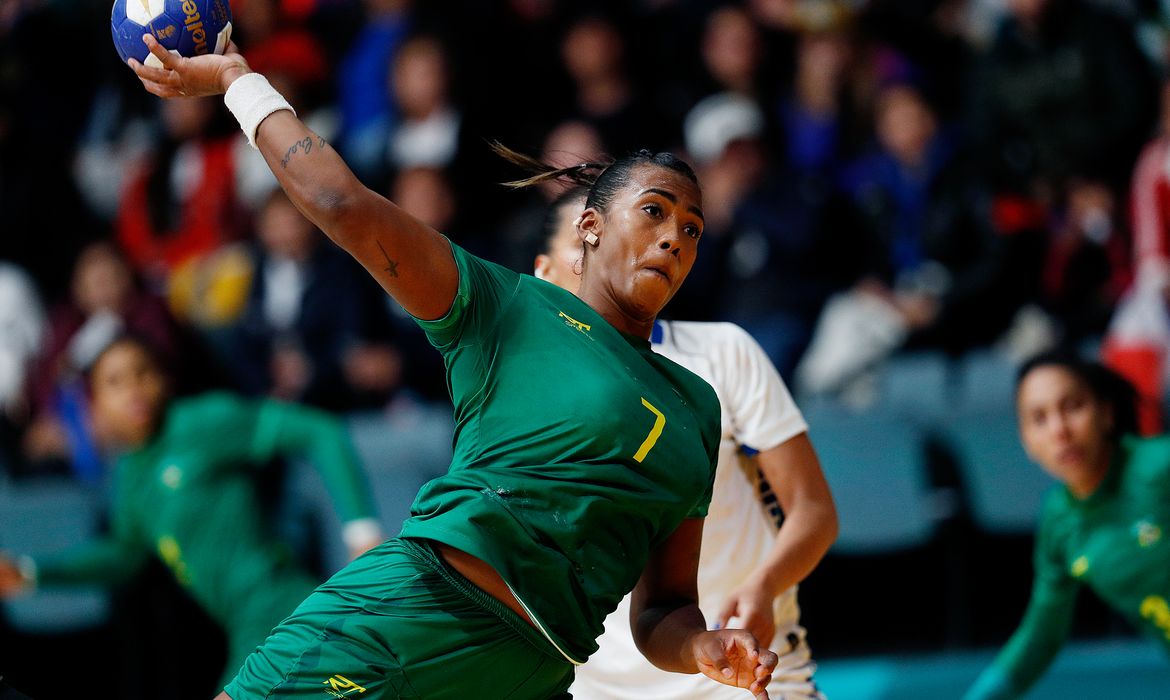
(1147,457)
(705,337)
(208,405)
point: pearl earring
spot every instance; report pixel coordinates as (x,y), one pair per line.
(591,238)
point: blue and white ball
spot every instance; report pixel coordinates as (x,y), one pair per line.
(185,27)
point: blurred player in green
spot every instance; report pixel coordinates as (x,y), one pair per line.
(1103,527)
(184,490)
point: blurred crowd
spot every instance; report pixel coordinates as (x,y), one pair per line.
(878,176)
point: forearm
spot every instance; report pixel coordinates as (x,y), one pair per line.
(315,177)
(801,543)
(293,431)
(665,635)
(409,259)
(104,562)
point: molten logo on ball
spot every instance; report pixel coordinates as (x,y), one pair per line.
(184,27)
(195,27)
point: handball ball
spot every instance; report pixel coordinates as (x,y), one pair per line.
(185,27)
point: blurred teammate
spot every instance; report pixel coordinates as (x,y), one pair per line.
(749,570)
(184,490)
(583,460)
(1103,527)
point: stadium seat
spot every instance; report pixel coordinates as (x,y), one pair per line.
(401,452)
(873,461)
(45,516)
(1004,487)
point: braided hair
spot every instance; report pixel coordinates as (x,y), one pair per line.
(602,179)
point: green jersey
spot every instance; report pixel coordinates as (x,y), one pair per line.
(1113,542)
(188,497)
(577,449)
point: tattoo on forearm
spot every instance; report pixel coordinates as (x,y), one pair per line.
(391,266)
(304,145)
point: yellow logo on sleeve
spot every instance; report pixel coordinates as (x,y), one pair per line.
(1079,567)
(1148,533)
(574,323)
(340,686)
(1155,609)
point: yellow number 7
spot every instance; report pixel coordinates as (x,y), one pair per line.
(655,432)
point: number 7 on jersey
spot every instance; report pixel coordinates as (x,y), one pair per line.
(655,432)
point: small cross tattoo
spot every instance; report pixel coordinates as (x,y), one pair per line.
(391,266)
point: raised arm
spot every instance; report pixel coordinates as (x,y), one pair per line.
(409,259)
(669,628)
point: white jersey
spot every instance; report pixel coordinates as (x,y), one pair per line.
(758,413)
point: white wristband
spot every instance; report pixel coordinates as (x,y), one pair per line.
(251,99)
(361,532)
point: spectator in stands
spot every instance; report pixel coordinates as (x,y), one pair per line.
(1063,90)
(302,334)
(368,116)
(786,247)
(180,203)
(934,272)
(104,300)
(593,52)
(427,134)
(1138,339)
(22,330)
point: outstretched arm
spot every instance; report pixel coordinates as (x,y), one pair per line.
(669,628)
(808,530)
(409,259)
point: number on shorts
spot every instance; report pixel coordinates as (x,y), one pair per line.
(655,432)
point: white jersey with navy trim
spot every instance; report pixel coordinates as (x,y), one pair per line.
(758,413)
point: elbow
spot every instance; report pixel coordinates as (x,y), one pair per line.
(334,208)
(331,204)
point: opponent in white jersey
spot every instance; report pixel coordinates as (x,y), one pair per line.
(771,517)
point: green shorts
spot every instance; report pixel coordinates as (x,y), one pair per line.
(399,623)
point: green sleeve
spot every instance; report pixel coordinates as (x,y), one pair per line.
(234,431)
(1042,632)
(104,561)
(484,289)
(289,430)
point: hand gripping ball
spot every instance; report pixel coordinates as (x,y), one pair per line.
(186,27)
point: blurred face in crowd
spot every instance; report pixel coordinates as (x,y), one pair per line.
(1065,427)
(425,194)
(1028,11)
(905,124)
(128,392)
(592,49)
(731,48)
(420,81)
(820,69)
(561,265)
(101,280)
(648,236)
(570,143)
(283,231)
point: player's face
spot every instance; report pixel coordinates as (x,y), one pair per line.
(649,236)
(560,264)
(1064,427)
(128,393)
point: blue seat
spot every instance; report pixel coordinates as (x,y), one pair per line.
(42,517)
(873,462)
(400,452)
(1004,487)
